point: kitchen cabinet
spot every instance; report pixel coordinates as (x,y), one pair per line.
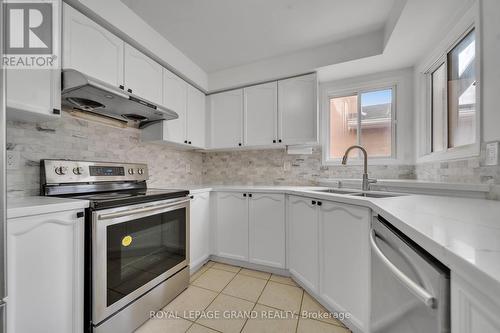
(267,229)
(344,259)
(175,99)
(303,261)
(232,225)
(199,229)
(471,310)
(297,110)
(91,49)
(226,119)
(261,114)
(45,273)
(142,75)
(196,120)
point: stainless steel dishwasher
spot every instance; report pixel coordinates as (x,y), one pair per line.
(410,288)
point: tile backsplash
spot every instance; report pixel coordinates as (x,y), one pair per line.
(74,138)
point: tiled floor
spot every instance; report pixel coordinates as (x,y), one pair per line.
(225,298)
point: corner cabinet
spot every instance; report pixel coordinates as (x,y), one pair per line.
(45,273)
(344,260)
(226,119)
(199,240)
(298,110)
(91,49)
(472,311)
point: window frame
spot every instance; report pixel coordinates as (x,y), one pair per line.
(327,160)
(460,152)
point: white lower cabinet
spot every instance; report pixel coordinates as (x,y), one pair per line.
(267,229)
(345,260)
(232,225)
(471,310)
(199,229)
(303,259)
(45,273)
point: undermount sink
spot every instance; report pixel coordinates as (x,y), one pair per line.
(360,194)
(337,191)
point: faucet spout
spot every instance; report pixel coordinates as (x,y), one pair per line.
(366,180)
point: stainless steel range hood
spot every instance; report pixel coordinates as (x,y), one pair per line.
(81,92)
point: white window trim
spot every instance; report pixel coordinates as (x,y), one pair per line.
(358,89)
(468,22)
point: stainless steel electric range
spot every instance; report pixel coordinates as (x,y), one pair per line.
(136,240)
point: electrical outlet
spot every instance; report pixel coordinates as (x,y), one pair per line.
(491,154)
(13,159)
(287,165)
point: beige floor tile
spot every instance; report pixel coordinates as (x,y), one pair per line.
(170,325)
(317,311)
(214,279)
(210,263)
(221,305)
(192,299)
(199,329)
(226,267)
(245,287)
(270,320)
(310,325)
(283,279)
(256,274)
(281,296)
(198,273)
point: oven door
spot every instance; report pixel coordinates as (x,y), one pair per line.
(134,249)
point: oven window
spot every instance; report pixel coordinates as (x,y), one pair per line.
(142,249)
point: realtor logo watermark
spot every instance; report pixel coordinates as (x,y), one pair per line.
(31,32)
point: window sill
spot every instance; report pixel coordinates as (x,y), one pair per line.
(459,153)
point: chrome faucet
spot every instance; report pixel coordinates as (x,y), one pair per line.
(366,180)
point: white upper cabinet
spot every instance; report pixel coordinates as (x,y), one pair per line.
(267,229)
(345,260)
(303,259)
(226,119)
(196,120)
(91,49)
(261,114)
(175,99)
(297,110)
(143,75)
(232,225)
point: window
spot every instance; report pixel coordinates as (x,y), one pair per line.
(364,118)
(453,97)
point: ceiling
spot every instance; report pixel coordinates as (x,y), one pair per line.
(221,34)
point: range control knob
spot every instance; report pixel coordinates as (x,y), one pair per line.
(130,171)
(78,170)
(140,171)
(61,170)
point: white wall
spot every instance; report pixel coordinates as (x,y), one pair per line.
(490,24)
(121,20)
(403,79)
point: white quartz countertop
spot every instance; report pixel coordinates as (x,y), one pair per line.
(463,233)
(28,206)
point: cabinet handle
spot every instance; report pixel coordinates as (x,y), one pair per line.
(239,144)
(189,142)
(80,214)
(250,195)
(56,111)
(319,203)
(279,140)
(274,141)
(244,194)
(313,202)
(122,87)
(129,90)
(185,141)
(191,197)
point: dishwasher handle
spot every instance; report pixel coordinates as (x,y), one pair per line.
(413,287)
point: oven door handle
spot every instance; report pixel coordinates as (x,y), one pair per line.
(146,209)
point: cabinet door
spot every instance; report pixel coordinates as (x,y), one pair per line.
(45,273)
(196,124)
(471,310)
(199,229)
(345,259)
(143,75)
(174,98)
(91,49)
(33,95)
(226,119)
(303,241)
(267,229)
(261,114)
(297,110)
(232,225)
